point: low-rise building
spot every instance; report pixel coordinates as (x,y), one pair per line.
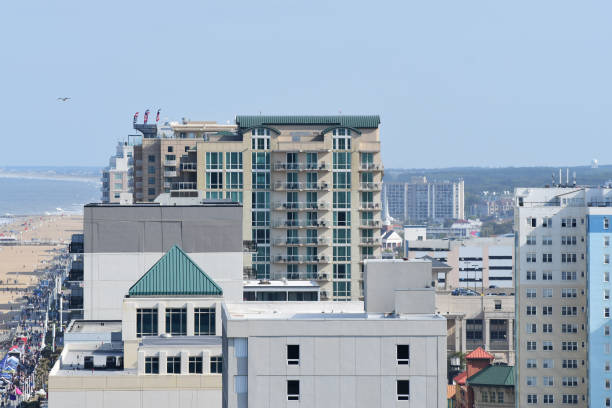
(476,263)
(483,385)
(388,351)
(391,240)
(479,321)
(166,350)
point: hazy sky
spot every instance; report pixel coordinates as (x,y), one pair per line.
(456,83)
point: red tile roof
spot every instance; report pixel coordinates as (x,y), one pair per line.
(460,378)
(479,354)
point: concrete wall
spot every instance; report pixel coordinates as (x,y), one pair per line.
(108,277)
(152,228)
(344,361)
(383,277)
(129,391)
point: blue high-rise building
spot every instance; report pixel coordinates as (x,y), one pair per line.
(599,233)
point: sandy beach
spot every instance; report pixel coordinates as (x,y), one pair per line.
(22,265)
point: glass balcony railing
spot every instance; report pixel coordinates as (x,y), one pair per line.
(300,224)
(282,185)
(301,259)
(290,206)
(320,166)
(301,241)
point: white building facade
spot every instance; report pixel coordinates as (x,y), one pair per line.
(387,352)
(118,177)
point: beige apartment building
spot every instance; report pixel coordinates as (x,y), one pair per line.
(551,320)
(310,188)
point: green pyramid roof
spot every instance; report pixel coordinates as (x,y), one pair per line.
(493,376)
(175,274)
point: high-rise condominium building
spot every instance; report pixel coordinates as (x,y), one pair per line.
(310,188)
(434,201)
(394,194)
(563,296)
(117,178)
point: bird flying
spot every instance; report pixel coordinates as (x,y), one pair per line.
(63,99)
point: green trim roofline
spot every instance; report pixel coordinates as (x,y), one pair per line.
(175,274)
(350,121)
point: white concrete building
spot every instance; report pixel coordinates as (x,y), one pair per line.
(166,350)
(389,351)
(123,242)
(477,263)
(118,177)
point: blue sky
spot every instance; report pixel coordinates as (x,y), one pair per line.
(457,83)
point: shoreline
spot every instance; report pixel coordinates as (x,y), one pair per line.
(23,266)
(39,176)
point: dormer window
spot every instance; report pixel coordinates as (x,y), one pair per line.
(260,139)
(342,139)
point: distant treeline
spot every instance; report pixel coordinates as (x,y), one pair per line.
(478,179)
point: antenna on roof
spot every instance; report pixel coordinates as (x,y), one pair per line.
(560,178)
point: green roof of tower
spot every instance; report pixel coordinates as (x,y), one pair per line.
(351,121)
(175,274)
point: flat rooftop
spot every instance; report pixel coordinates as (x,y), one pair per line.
(94,326)
(312,311)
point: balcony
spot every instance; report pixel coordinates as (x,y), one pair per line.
(170,162)
(367,241)
(138,162)
(312,259)
(323,295)
(138,173)
(370,186)
(320,166)
(170,173)
(281,185)
(138,184)
(189,166)
(370,224)
(167,184)
(301,241)
(371,167)
(369,207)
(300,224)
(298,147)
(181,186)
(291,206)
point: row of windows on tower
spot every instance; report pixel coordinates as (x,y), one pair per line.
(293,390)
(402,354)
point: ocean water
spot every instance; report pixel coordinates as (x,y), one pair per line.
(28,195)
